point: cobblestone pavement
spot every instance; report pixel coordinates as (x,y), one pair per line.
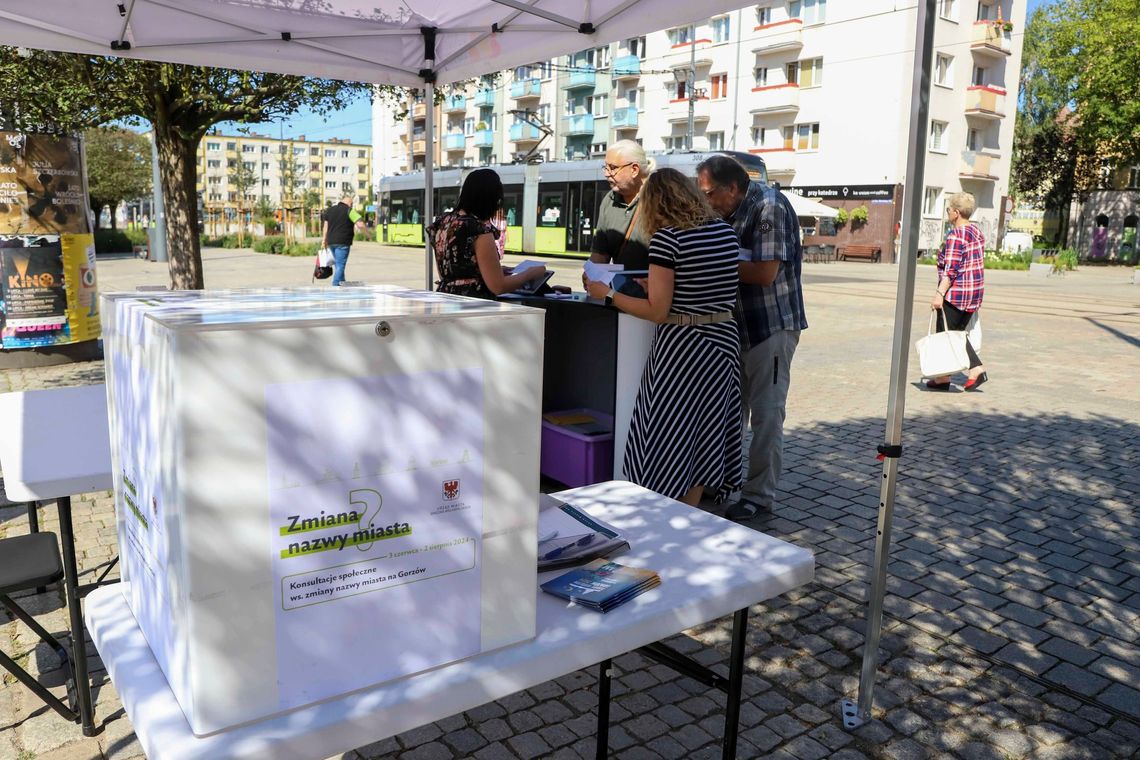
(1013,608)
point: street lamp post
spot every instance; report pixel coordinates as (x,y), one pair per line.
(689,78)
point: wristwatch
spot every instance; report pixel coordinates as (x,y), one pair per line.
(610,297)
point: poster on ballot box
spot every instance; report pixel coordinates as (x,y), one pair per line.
(376,518)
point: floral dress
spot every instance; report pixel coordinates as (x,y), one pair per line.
(453,240)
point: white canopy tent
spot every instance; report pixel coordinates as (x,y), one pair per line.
(807,207)
(424,43)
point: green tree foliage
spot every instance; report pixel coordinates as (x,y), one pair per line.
(70,92)
(1078,106)
(118,167)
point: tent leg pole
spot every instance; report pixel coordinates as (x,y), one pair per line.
(855,715)
(429,181)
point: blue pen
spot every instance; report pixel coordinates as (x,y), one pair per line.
(580,541)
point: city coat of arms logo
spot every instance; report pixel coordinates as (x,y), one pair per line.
(450,489)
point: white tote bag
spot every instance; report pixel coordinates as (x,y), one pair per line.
(974,330)
(325,257)
(942,353)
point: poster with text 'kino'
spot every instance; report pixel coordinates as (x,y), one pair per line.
(375,503)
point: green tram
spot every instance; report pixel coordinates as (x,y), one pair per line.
(562,199)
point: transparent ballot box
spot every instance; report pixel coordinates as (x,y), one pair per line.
(321,489)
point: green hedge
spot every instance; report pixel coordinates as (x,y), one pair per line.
(112,241)
(269,244)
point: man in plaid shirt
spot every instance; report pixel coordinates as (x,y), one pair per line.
(769,311)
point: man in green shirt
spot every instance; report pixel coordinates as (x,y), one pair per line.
(618,239)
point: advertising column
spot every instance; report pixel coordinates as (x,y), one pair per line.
(47,251)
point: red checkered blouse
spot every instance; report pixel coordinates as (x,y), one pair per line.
(962,261)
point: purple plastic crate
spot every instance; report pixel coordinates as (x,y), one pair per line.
(576,459)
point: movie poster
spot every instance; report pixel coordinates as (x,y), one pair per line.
(47,251)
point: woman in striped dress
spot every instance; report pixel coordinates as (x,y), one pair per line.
(685,435)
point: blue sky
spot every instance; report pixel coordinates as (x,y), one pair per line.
(355,121)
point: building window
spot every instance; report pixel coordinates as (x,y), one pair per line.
(344,154)
(807,136)
(522,73)
(214,180)
(979,76)
(943,70)
(362,168)
(792,72)
(814,11)
(793,8)
(760,76)
(758,135)
(763,15)
(789,135)
(248,165)
(264,148)
(930,207)
(597,105)
(329,153)
(247,149)
(330,170)
(938,136)
(265,183)
(636,47)
(362,153)
(716,140)
(946,9)
(361,185)
(469,126)
(987,12)
(213,146)
(973,139)
(676,143)
(721,29)
(231,146)
(345,169)
(598,57)
(544,113)
(1134,176)
(214,163)
(314,151)
(264,166)
(598,149)
(330,185)
(682,91)
(314,167)
(719,86)
(811,72)
(682,35)
(545,70)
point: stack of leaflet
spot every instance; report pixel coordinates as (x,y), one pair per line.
(567,536)
(602,584)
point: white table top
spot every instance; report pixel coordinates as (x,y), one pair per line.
(709,568)
(55,442)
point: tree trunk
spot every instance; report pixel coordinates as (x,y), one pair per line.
(178,172)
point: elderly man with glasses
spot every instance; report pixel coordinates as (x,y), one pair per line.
(769,314)
(618,239)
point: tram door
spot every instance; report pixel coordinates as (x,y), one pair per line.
(582,208)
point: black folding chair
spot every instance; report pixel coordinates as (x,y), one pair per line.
(29,562)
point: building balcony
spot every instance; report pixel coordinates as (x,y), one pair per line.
(678,110)
(579,124)
(455,141)
(776,40)
(485,99)
(778,161)
(624,118)
(484,138)
(419,147)
(990,40)
(775,99)
(978,165)
(985,102)
(626,67)
(525,133)
(419,110)
(524,89)
(455,103)
(582,77)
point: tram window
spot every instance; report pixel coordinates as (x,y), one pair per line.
(550,209)
(397,214)
(447,200)
(511,204)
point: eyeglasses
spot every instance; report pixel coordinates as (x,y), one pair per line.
(709,191)
(615,168)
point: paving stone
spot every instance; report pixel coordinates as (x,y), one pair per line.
(904,749)
(1124,698)
(1077,679)
(806,748)
(429,751)
(786,726)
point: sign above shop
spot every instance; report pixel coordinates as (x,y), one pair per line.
(846,192)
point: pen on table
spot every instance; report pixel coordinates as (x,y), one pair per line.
(583,541)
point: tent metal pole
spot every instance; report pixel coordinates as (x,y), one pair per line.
(855,715)
(428,74)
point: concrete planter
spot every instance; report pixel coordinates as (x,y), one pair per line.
(1040,270)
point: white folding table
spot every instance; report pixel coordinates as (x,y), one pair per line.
(55,444)
(709,568)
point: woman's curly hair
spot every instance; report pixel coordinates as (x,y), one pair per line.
(670,199)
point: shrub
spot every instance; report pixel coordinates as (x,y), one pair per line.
(1066,259)
(364,235)
(859,215)
(841,217)
(269,244)
(112,241)
(230,241)
(137,235)
(301,249)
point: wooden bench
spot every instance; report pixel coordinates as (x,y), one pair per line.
(870,252)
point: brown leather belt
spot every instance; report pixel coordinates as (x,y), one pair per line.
(698,319)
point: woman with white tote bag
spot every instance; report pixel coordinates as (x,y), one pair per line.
(961,282)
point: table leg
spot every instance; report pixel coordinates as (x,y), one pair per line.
(78,637)
(603,736)
(34,527)
(735,682)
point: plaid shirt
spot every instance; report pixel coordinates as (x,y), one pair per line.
(962,261)
(769,231)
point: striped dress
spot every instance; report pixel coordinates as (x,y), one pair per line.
(685,429)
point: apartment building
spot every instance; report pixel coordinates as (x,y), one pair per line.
(277,172)
(819,88)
